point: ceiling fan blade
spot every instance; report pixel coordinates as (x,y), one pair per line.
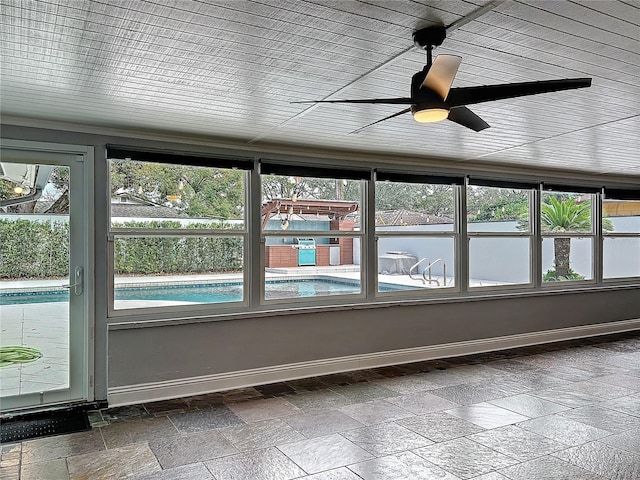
(406,110)
(488,93)
(465,117)
(401,101)
(441,74)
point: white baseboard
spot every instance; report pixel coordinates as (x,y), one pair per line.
(147,392)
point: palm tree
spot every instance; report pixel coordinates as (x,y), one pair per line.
(566,216)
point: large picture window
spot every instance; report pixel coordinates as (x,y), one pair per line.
(311,229)
(178,231)
(500,233)
(213,235)
(416,232)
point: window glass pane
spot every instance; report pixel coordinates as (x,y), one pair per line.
(34,233)
(406,263)
(491,209)
(495,261)
(565,258)
(621,257)
(156,195)
(157,271)
(621,216)
(36,242)
(414,207)
(294,252)
(312,204)
(566,212)
(311,267)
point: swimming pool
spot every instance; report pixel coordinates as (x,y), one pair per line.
(218,292)
(233,291)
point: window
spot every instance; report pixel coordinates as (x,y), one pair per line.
(311,228)
(500,233)
(186,232)
(621,234)
(568,235)
(416,232)
(178,230)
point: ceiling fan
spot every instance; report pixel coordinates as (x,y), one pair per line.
(433,99)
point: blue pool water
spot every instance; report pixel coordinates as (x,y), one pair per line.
(203,293)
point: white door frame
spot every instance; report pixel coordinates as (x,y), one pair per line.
(81,356)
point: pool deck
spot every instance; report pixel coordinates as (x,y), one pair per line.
(42,326)
(351,272)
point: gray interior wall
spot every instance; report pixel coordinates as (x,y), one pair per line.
(157,354)
(144,355)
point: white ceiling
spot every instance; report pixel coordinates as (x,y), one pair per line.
(231,68)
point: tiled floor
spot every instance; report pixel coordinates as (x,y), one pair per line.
(563,411)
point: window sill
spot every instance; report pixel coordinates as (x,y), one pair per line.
(148,320)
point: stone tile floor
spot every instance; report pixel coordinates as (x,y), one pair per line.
(569,410)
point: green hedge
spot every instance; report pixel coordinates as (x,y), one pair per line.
(33,249)
(145,255)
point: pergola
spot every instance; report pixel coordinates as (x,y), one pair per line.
(334,209)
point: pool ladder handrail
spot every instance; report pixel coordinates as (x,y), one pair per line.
(427,271)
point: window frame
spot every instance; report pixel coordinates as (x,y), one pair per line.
(530,189)
(113,233)
(455,234)
(618,195)
(254,239)
(269,167)
(594,235)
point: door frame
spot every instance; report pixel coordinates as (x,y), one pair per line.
(85,192)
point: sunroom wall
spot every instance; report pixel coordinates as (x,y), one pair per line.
(180,352)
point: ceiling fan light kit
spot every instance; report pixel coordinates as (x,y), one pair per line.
(428,114)
(433,99)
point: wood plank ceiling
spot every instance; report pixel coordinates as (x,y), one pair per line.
(230,68)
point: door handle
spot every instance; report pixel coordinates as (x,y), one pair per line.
(77,281)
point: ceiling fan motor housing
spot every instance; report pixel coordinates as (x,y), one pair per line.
(429,37)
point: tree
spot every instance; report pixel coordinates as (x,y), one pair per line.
(504,210)
(278,186)
(493,204)
(433,199)
(196,191)
(565,215)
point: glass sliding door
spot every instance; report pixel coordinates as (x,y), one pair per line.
(43,321)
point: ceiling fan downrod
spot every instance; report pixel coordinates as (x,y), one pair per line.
(428,38)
